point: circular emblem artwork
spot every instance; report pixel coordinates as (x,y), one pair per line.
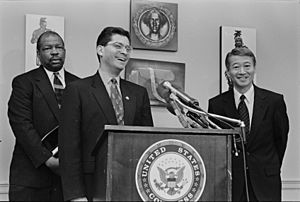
(170,170)
(154,26)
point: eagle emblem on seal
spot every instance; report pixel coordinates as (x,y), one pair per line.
(171,180)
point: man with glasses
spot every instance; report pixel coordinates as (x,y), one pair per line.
(101,99)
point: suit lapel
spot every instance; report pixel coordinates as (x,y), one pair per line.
(230,109)
(129,102)
(46,89)
(99,91)
(259,110)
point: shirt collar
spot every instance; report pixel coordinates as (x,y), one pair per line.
(61,73)
(106,77)
(248,95)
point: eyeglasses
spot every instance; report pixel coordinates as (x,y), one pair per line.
(119,46)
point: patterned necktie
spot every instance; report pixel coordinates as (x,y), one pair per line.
(244,114)
(58,88)
(117,101)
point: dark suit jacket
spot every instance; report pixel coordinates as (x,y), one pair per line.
(266,142)
(32,112)
(86,109)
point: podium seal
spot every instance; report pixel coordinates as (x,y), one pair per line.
(170,170)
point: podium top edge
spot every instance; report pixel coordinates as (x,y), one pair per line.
(160,130)
(146,129)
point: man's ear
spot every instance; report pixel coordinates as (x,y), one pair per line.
(100,50)
(37,59)
(227,75)
(229,80)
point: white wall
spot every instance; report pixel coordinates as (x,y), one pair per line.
(278,29)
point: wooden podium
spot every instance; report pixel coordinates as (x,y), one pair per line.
(133,163)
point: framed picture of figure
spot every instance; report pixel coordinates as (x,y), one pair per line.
(151,73)
(35,26)
(153,25)
(231,37)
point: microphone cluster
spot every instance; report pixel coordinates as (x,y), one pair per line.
(176,102)
(190,107)
(190,115)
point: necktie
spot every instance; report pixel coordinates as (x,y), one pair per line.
(244,114)
(117,102)
(58,88)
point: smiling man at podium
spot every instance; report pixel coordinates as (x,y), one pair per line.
(101,99)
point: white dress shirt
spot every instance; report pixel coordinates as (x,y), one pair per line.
(249,100)
(61,77)
(106,78)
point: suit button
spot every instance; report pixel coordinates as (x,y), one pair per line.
(248,154)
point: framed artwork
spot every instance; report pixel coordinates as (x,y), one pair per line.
(232,37)
(150,73)
(35,26)
(153,25)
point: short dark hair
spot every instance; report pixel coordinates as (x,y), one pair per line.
(47,33)
(107,33)
(239,51)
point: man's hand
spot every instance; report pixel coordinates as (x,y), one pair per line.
(53,164)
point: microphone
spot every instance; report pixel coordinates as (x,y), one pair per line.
(184,97)
(192,102)
(178,113)
(193,123)
(198,119)
(171,105)
(165,94)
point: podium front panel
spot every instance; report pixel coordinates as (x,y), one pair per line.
(121,151)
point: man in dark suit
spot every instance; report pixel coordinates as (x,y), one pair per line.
(89,104)
(33,110)
(266,131)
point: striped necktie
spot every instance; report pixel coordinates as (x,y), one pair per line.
(116,100)
(58,88)
(244,113)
